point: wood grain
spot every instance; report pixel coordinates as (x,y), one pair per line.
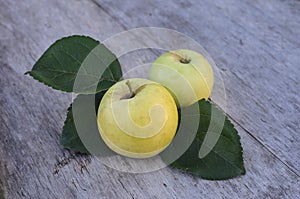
(257,51)
(254,43)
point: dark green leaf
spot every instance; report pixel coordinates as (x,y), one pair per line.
(70,138)
(94,67)
(224,161)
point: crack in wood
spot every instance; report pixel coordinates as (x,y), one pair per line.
(109,14)
(81,159)
(125,188)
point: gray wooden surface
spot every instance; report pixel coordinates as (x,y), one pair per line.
(256,44)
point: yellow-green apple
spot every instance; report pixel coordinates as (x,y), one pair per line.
(186,73)
(137,118)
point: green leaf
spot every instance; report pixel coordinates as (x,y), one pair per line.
(81,58)
(70,138)
(225,160)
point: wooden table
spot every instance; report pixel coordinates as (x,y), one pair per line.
(255,44)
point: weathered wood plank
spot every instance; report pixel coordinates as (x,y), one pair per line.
(33,164)
(257,47)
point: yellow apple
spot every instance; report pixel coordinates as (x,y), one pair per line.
(186,73)
(137,118)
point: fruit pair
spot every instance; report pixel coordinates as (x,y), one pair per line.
(138,118)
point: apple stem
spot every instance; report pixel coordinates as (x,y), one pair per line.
(185,60)
(182,58)
(132,94)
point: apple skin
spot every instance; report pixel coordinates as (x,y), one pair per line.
(137,118)
(186,73)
